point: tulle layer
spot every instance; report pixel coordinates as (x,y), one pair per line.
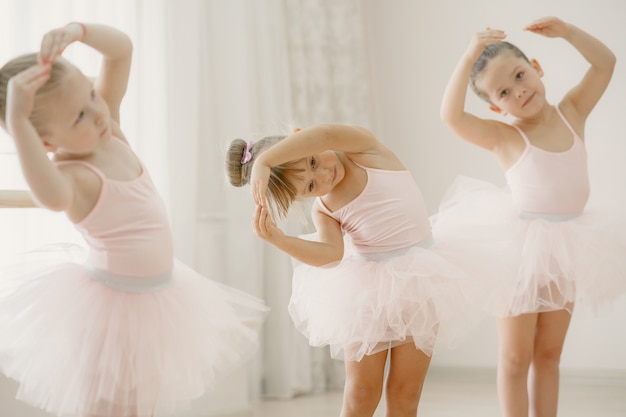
(79,347)
(556,261)
(368,303)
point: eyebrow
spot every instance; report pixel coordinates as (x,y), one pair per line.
(306,169)
(515,71)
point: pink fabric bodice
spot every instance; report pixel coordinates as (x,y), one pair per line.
(389,214)
(545,182)
(128,230)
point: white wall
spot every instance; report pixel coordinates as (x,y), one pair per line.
(416,46)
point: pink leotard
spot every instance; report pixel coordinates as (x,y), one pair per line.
(128,229)
(389,214)
(553,183)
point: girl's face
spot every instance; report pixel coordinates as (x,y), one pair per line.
(74,118)
(513,85)
(320,174)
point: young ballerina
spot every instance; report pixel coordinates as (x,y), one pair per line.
(390,290)
(128,330)
(565,254)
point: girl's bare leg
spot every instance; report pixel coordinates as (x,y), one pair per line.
(407,371)
(544,375)
(364,384)
(516,338)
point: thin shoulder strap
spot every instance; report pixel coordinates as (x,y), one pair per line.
(566,122)
(99,173)
(85,164)
(522,134)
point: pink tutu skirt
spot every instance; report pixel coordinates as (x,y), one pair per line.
(426,295)
(84,342)
(555,262)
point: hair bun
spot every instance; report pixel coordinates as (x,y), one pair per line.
(238,173)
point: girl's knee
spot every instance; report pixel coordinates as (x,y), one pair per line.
(515,362)
(548,356)
(362,394)
(402,397)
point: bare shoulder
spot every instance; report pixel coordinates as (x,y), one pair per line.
(378,156)
(87,186)
(509,146)
(573,117)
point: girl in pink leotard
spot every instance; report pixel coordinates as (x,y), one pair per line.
(562,254)
(127,330)
(392,288)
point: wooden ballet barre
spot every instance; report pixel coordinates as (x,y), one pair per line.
(16,199)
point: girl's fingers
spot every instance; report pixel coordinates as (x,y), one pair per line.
(33,77)
(260,221)
(267,220)
(258,197)
(46,53)
(53,44)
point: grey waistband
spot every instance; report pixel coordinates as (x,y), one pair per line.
(130,283)
(547,216)
(379,256)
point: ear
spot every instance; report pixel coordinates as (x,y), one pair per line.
(535,64)
(498,110)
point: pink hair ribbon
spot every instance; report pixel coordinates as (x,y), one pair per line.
(247,156)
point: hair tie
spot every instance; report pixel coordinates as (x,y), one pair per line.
(247,156)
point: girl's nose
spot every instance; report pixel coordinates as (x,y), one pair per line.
(520,92)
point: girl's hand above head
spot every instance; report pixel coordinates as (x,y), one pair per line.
(550,26)
(54,42)
(21,90)
(259,178)
(481,39)
(264,226)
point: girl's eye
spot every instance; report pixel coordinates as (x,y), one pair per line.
(310,187)
(504,93)
(519,76)
(312,162)
(80,117)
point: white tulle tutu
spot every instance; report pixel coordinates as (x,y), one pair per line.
(80,347)
(556,262)
(427,295)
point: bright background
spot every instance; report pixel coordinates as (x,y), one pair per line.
(207,71)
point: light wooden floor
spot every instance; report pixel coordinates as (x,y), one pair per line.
(444,396)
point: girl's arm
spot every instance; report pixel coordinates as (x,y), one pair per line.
(51,188)
(328,248)
(116,49)
(352,140)
(54,188)
(316,139)
(481,132)
(16,199)
(584,96)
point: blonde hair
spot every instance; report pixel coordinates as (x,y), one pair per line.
(22,63)
(281,192)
